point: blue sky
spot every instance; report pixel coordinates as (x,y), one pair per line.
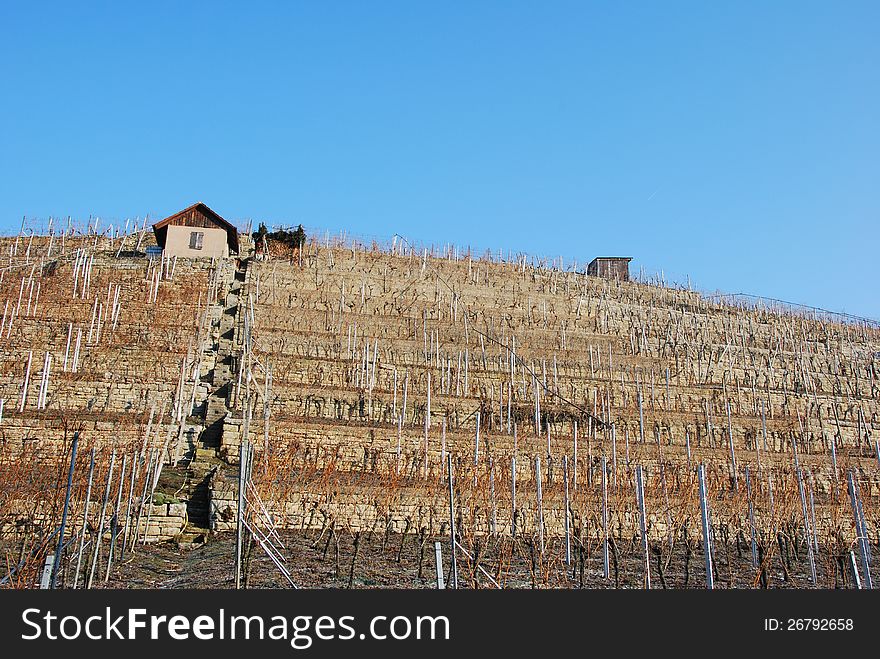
(734,142)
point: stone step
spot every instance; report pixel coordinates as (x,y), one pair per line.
(215,413)
(192,537)
(216,410)
(204,454)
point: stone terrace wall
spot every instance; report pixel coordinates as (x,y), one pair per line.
(357,338)
(135,335)
(157,522)
(317,326)
(358,341)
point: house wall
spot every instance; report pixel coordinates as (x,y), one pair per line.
(213,242)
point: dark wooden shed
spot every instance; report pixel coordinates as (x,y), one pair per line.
(610,267)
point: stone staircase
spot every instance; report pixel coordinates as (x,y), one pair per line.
(224,331)
(205,460)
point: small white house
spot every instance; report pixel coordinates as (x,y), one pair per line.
(197,232)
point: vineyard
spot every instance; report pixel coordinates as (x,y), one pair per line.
(353,415)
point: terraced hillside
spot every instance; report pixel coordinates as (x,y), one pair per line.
(101,345)
(384,364)
(574,413)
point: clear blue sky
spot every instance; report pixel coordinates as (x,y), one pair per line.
(737,142)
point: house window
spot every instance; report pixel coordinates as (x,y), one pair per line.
(195,239)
